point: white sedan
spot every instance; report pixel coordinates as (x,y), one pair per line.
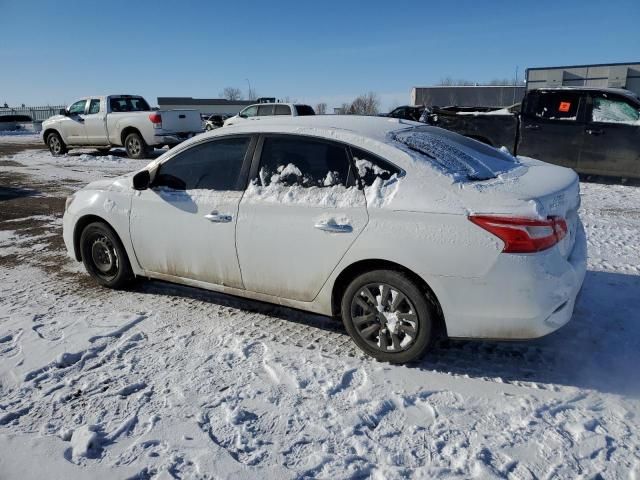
(405,231)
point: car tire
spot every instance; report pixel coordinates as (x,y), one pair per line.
(394,322)
(135,146)
(104,257)
(56,145)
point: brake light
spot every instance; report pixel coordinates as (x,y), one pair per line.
(156,119)
(523,235)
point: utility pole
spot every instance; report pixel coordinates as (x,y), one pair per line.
(249,93)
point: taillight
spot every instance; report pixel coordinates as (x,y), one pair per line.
(156,119)
(523,235)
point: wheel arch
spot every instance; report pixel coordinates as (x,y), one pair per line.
(48,132)
(126,131)
(81,225)
(357,268)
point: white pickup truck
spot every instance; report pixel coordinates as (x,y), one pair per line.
(104,122)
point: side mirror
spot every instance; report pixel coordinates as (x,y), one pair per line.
(141,180)
(242,115)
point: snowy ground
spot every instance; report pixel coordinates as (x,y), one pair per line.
(163,381)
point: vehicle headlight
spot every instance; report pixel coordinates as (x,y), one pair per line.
(68,202)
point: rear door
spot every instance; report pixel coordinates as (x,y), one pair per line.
(552,127)
(184,225)
(95,123)
(612,137)
(299,215)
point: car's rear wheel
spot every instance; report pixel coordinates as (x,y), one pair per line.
(388,316)
(56,146)
(104,257)
(135,146)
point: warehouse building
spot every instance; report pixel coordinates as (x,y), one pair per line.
(468,95)
(206,106)
(613,75)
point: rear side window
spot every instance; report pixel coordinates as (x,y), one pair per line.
(561,105)
(614,110)
(129,104)
(371,167)
(94,106)
(303,162)
(212,166)
(283,110)
(304,110)
(265,110)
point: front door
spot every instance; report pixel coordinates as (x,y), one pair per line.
(184,225)
(612,137)
(73,125)
(298,217)
(95,123)
(552,127)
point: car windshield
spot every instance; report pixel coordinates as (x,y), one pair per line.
(455,155)
(129,104)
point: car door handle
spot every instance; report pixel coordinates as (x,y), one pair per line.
(334,227)
(597,131)
(532,127)
(216,217)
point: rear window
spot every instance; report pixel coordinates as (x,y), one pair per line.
(129,104)
(455,155)
(283,110)
(303,110)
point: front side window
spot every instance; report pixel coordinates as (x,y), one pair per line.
(283,110)
(371,167)
(78,107)
(249,112)
(303,162)
(265,110)
(211,166)
(610,110)
(561,105)
(94,106)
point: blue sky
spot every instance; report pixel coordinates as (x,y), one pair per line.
(332,51)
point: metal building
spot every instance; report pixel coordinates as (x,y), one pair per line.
(615,75)
(468,96)
(206,106)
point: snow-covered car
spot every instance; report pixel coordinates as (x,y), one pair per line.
(262,110)
(406,231)
(110,121)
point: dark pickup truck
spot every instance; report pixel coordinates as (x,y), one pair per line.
(595,131)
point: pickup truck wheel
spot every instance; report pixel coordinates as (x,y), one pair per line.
(56,146)
(388,316)
(104,257)
(135,146)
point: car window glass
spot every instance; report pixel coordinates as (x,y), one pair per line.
(555,105)
(249,111)
(94,106)
(303,162)
(370,167)
(283,110)
(608,110)
(129,104)
(78,107)
(265,110)
(213,166)
(304,110)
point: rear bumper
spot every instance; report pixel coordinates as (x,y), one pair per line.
(172,138)
(522,297)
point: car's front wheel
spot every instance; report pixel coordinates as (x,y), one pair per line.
(56,146)
(388,316)
(135,146)
(104,257)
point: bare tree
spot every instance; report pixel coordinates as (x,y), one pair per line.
(231,93)
(367,104)
(321,108)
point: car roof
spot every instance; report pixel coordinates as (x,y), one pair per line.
(618,91)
